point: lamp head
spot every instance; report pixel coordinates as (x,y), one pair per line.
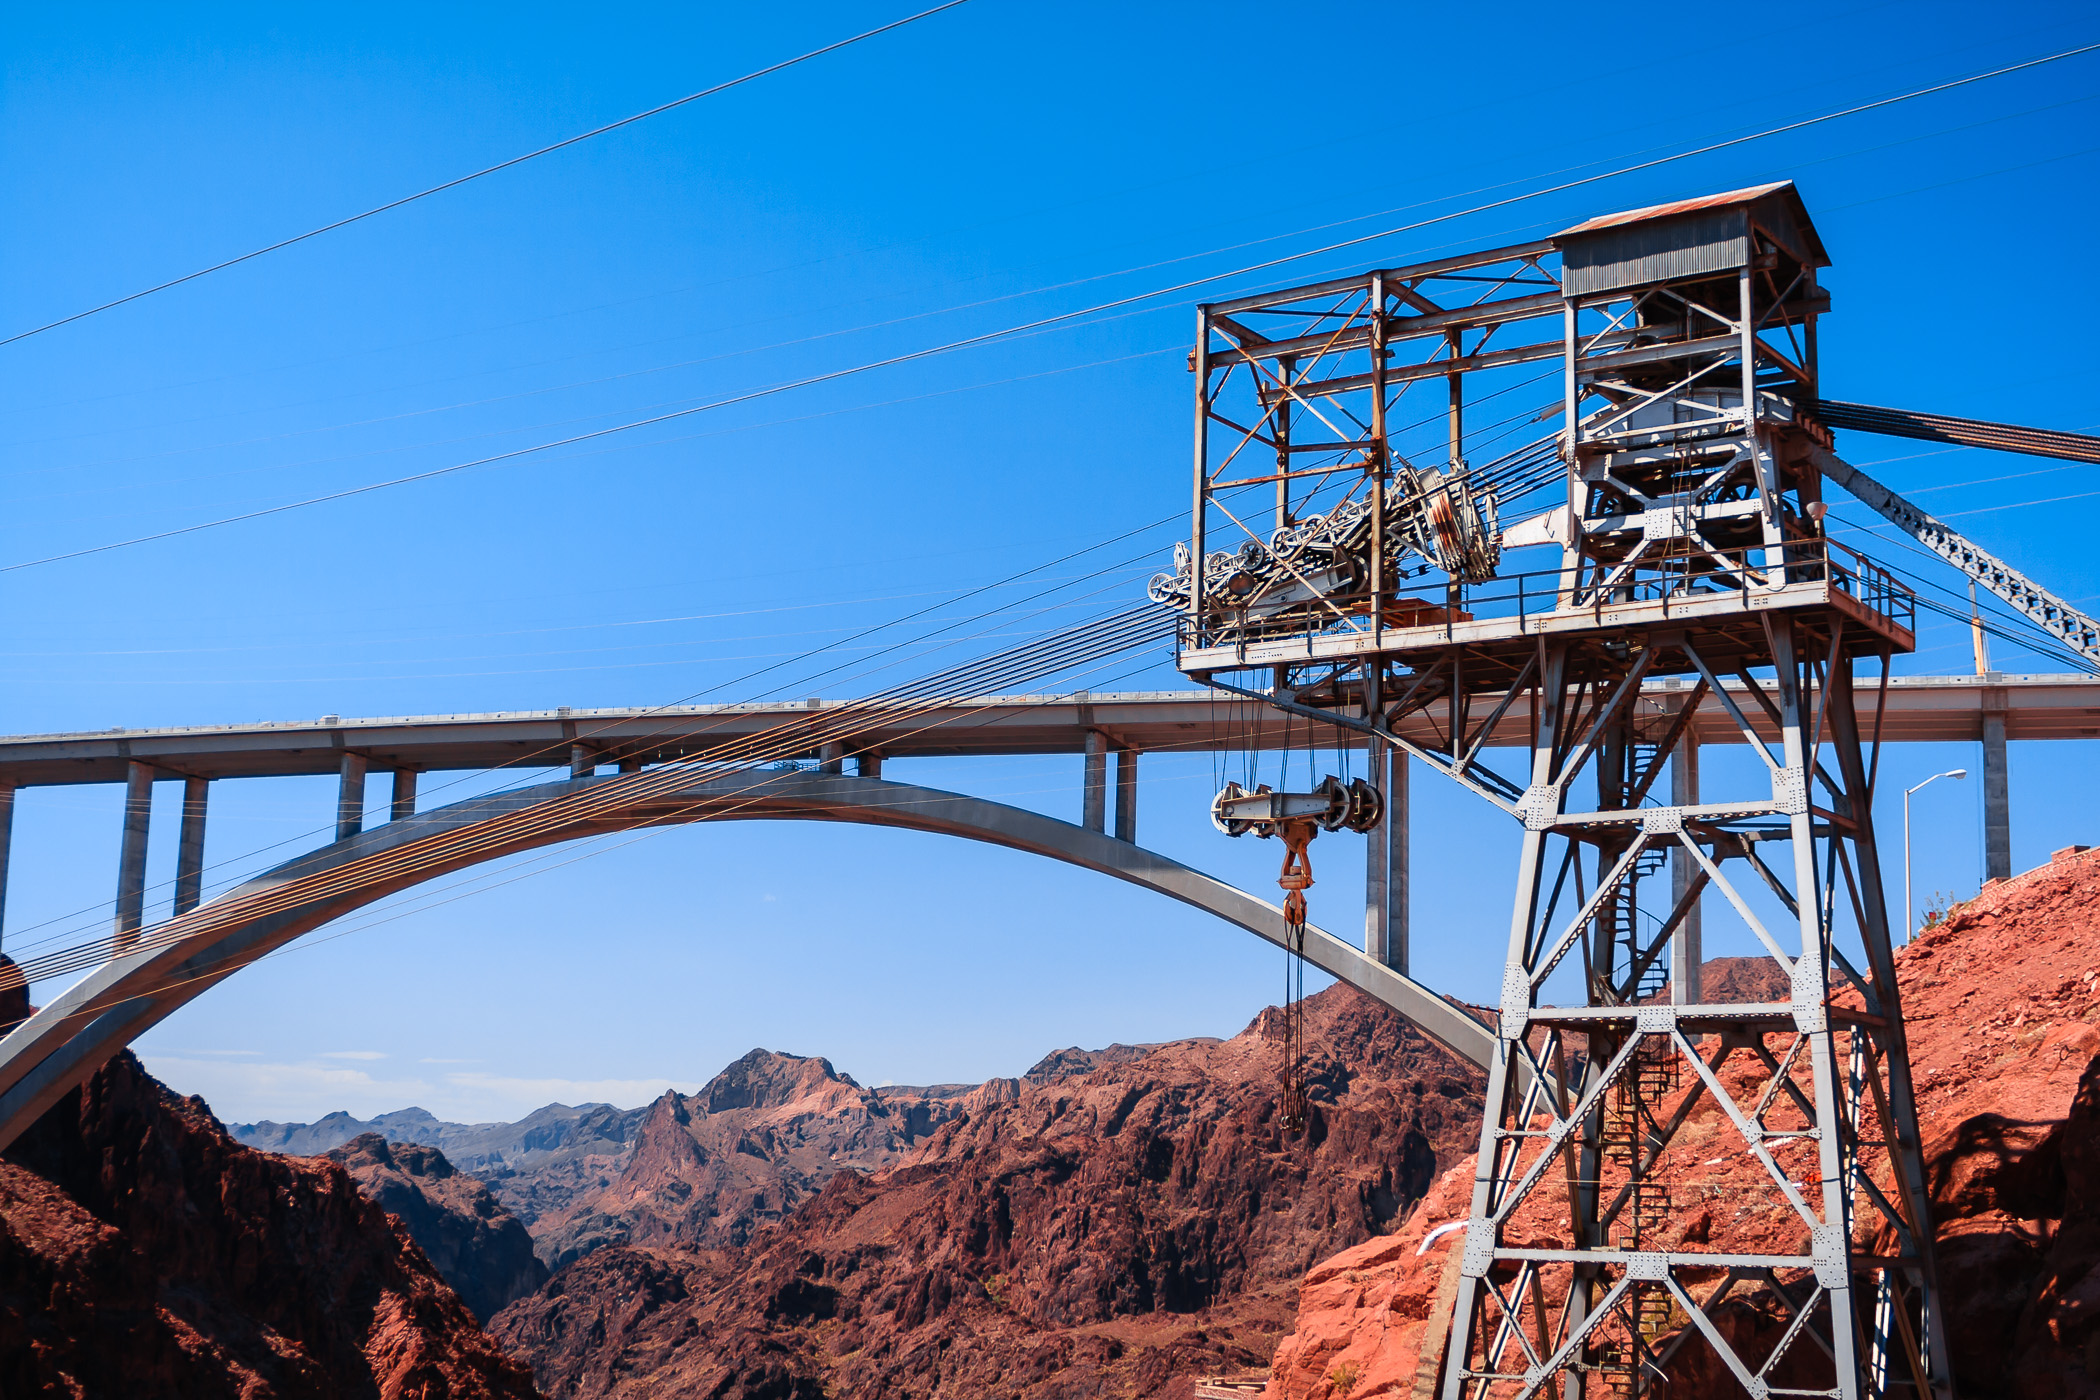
(1957,772)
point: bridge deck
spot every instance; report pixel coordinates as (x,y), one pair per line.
(1921,708)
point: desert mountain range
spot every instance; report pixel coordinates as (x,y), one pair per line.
(1113,1223)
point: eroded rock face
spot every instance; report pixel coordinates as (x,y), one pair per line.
(1109,1232)
(707,1170)
(473,1242)
(2003,1021)
(144,1253)
(2055,1354)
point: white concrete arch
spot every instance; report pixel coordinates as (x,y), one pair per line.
(58,1048)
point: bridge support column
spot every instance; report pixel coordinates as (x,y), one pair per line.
(1997,791)
(1386,871)
(583,760)
(404,803)
(131,858)
(7,841)
(831,758)
(630,765)
(1126,795)
(1687,949)
(1096,804)
(870,764)
(189,849)
(350,798)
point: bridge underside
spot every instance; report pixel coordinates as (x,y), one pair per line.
(59,1047)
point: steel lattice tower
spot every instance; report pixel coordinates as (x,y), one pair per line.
(1690,542)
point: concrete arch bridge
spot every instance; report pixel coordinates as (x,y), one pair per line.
(661,779)
(160,970)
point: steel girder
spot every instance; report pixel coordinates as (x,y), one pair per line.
(2074,628)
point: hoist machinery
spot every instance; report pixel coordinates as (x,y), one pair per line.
(1574,489)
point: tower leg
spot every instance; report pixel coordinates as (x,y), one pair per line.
(1576,1277)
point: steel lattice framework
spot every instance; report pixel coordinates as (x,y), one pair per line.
(1682,493)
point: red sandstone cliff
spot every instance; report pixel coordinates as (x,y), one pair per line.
(1110,1232)
(474,1243)
(145,1254)
(2004,1024)
(707,1170)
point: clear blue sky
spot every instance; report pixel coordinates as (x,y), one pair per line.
(997,163)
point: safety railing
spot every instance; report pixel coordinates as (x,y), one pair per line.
(1744,575)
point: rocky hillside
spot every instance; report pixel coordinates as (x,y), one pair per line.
(1101,1232)
(710,1169)
(2002,1001)
(703,1169)
(474,1243)
(146,1254)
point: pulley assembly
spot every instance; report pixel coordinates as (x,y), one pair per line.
(1331,806)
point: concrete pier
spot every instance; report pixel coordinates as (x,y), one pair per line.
(1386,873)
(189,847)
(404,804)
(1997,791)
(350,798)
(1688,948)
(7,841)
(1096,803)
(131,858)
(1126,795)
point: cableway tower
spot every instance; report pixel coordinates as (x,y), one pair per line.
(1388,522)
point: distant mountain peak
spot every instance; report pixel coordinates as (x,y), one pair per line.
(770,1079)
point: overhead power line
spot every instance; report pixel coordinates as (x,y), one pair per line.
(1064,317)
(282,243)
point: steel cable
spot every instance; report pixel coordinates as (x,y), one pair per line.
(1067,317)
(1063,651)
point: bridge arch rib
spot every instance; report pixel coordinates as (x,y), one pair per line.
(58,1048)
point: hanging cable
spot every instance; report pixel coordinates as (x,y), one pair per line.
(1068,317)
(455,183)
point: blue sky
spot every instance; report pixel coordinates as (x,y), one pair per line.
(977,170)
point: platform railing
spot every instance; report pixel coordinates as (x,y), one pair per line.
(1706,576)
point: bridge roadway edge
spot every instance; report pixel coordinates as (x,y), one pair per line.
(67,1040)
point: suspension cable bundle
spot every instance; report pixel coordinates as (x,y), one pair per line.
(1021,665)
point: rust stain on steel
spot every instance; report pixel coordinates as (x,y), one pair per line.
(1682,206)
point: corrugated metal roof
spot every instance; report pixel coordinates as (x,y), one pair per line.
(1682,206)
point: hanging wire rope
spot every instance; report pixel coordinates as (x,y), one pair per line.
(456,182)
(1082,313)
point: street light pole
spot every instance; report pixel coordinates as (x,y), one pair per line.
(1910,913)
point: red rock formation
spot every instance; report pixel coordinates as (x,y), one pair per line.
(1362,1314)
(1108,1233)
(2004,1018)
(145,1254)
(474,1243)
(709,1169)
(2055,1354)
